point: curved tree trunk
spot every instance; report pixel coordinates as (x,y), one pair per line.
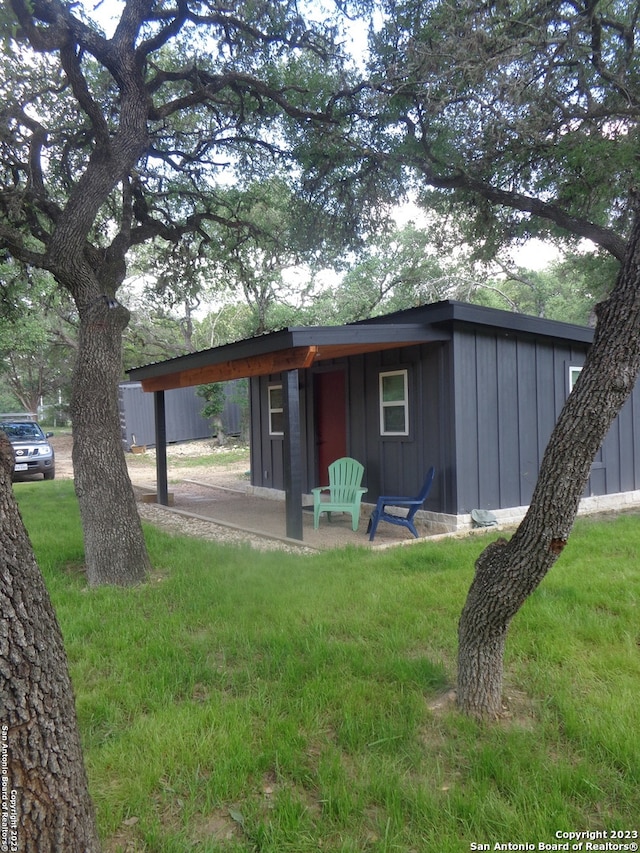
(508,572)
(115,550)
(45,804)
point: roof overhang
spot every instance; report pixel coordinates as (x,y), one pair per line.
(289,349)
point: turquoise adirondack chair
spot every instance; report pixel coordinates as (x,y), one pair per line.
(344,491)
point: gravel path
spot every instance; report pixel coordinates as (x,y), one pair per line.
(187,525)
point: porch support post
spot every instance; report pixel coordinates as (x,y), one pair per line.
(162,486)
(292,454)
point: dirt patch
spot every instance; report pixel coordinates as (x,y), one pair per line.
(62,446)
(142,470)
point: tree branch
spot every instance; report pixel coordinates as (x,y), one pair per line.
(604,237)
(13,241)
(71,63)
(207,86)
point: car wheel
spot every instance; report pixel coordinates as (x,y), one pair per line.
(49,475)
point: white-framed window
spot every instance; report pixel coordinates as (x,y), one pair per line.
(276,410)
(394,403)
(574,372)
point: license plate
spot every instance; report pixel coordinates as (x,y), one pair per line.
(21,467)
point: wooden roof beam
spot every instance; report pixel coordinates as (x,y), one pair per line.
(258,365)
(335,351)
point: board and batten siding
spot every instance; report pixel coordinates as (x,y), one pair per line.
(267,451)
(509,393)
(397,465)
(620,453)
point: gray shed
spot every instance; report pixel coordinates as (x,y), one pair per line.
(184,420)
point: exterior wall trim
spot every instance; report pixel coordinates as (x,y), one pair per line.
(440,522)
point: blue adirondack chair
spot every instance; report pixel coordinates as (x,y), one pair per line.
(344,491)
(411,504)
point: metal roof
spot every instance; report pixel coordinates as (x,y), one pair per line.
(451,311)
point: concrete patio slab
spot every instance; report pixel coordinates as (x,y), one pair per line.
(262,516)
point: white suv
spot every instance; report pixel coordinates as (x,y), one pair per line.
(33,453)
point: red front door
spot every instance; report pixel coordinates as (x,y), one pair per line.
(331,420)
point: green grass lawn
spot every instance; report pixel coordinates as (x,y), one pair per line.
(245,701)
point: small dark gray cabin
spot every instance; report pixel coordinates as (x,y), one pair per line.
(471,390)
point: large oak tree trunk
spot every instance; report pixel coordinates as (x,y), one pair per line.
(115,550)
(45,799)
(508,572)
